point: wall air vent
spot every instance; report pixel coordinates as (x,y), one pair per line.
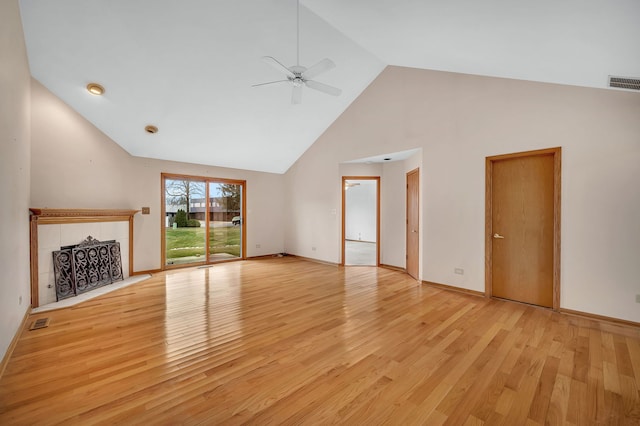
(629,83)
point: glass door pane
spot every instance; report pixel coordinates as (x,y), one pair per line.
(185,221)
(225,221)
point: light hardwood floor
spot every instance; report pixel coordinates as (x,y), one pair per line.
(286,341)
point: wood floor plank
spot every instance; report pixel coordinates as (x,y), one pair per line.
(578,410)
(559,401)
(487,401)
(633,345)
(623,359)
(287,341)
(630,397)
(541,399)
(596,404)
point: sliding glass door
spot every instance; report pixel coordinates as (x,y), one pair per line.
(185,221)
(225,221)
(203,220)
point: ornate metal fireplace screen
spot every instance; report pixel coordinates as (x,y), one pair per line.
(85,266)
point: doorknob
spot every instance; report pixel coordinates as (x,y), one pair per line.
(497,236)
(414,231)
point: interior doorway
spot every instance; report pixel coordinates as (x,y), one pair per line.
(361,220)
(413,223)
(523,227)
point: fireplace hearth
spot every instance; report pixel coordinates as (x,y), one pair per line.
(83,267)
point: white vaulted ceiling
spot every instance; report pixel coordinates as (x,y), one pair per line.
(574,42)
(188,66)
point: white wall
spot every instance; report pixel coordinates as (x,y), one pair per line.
(361,211)
(74,165)
(14,173)
(458,120)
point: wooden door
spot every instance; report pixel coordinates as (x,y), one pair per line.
(413,222)
(523,228)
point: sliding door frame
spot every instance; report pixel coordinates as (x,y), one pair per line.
(206,181)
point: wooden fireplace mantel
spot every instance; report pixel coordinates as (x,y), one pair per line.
(80,215)
(46,216)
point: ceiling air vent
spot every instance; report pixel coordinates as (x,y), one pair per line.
(625,82)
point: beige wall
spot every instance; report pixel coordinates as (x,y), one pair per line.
(392,204)
(393,213)
(394,210)
(74,165)
(458,120)
(14,173)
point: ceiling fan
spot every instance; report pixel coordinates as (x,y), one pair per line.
(300,76)
(348,185)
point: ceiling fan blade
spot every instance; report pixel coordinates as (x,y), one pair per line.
(325,88)
(277,65)
(323,66)
(296,95)
(271,82)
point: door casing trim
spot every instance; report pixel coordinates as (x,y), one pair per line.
(344,213)
(406,223)
(488,258)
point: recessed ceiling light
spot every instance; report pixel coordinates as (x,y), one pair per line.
(151,129)
(95,89)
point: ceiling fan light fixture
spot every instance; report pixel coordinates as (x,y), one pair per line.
(95,89)
(300,76)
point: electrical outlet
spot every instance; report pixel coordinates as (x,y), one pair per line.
(637,298)
(459,271)
(20,300)
(313,249)
(257,245)
(146,210)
